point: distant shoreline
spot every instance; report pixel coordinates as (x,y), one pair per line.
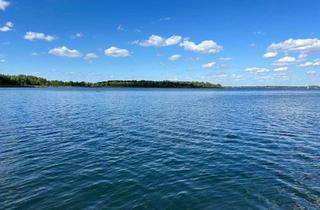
(27,81)
(220,88)
(33,81)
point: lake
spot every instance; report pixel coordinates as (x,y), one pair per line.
(159,149)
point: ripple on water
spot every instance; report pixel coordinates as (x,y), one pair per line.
(159,149)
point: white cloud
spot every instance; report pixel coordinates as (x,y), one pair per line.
(90,56)
(31,36)
(311,72)
(302,56)
(311,63)
(287,60)
(284,68)
(8,26)
(208,65)
(2,60)
(206,47)
(296,45)
(117,52)
(79,34)
(65,52)
(175,57)
(270,54)
(256,70)
(173,40)
(120,28)
(4,4)
(158,41)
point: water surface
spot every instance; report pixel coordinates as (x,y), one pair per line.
(159,149)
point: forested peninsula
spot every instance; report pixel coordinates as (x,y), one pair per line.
(33,81)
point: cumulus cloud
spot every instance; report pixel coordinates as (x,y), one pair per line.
(4,4)
(158,41)
(65,52)
(287,60)
(174,57)
(8,26)
(173,40)
(284,68)
(90,56)
(208,65)
(31,36)
(313,63)
(296,45)
(205,47)
(270,54)
(256,70)
(117,52)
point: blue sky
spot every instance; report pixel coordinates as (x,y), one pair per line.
(245,42)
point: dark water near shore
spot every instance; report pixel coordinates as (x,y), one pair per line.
(159,149)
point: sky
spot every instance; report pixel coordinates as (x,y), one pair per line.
(231,42)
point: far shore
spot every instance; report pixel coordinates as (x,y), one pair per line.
(27,81)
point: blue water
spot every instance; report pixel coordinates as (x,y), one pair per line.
(159,149)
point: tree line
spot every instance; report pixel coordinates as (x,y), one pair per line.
(33,81)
